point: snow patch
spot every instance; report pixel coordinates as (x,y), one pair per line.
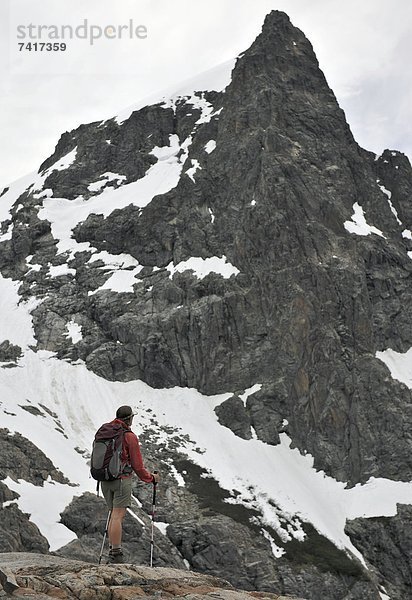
(124,267)
(389,196)
(121,261)
(162,527)
(180,481)
(198,102)
(249,392)
(60,270)
(34,267)
(8,234)
(195,166)
(210,146)
(203,266)
(63,163)
(358,224)
(74,332)
(384,190)
(121,281)
(399,364)
(277,551)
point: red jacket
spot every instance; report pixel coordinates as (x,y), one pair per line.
(131,454)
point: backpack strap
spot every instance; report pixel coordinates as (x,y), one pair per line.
(126,468)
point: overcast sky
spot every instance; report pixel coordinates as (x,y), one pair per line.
(364,48)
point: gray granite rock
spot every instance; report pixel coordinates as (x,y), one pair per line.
(18,533)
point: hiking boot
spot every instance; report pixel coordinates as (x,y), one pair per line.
(115,556)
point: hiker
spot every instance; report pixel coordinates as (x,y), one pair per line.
(118,492)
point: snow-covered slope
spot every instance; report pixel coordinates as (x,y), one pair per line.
(216,79)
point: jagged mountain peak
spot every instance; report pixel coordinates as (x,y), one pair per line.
(279,33)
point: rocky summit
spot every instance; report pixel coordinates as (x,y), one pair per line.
(231,261)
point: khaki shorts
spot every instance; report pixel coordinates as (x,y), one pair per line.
(117,493)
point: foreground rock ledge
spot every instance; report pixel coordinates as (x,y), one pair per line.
(26,575)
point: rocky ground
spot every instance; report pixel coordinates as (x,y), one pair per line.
(24,576)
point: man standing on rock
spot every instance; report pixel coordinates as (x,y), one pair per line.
(118,493)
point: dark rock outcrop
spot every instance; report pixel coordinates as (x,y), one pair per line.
(18,533)
(232,413)
(9,352)
(386,542)
(21,459)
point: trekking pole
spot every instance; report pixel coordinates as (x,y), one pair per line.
(153,519)
(105,535)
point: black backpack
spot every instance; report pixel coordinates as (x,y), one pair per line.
(105,463)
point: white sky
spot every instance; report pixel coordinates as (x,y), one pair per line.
(364,49)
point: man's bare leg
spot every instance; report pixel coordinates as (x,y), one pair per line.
(115,527)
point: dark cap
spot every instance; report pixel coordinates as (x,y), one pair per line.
(124,412)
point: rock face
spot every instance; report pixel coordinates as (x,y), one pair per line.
(274,185)
(385,542)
